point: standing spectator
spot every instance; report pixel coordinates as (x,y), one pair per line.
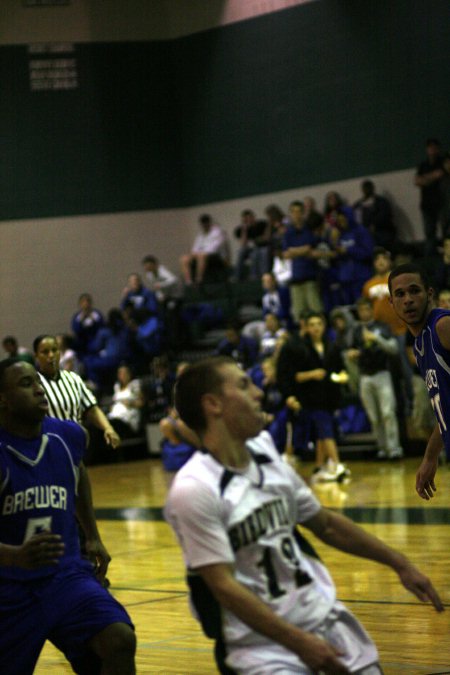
(12,348)
(157,387)
(427,179)
(85,324)
(160,279)
(298,243)
(68,359)
(373,345)
(444,186)
(332,205)
(355,253)
(254,246)
(441,267)
(278,223)
(377,290)
(47,590)
(375,213)
(209,252)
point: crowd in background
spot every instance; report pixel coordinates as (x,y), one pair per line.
(326,348)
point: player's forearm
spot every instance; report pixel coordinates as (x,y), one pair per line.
(434,445)
(252,611)
(343,534)
(84,506)
(97,418)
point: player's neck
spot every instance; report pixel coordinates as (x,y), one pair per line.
(232,453)
(17,427)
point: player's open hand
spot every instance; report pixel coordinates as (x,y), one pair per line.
(416,582)
(425,485)
(39,550)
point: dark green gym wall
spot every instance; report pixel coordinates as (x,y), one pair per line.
(317,93)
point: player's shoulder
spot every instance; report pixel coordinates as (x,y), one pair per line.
(264,445)
(64,428)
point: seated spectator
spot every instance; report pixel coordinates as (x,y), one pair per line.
(273,333)
(159,279)
(68,359)
(209,252)
(281,267)
(85,325)
(375,213)
(157,388)
(243,349)
(127,401)
(142,298)
(355,254)
(12,348)
(332,205)
(276,299)
(179,442)
(110,348)
(254,246)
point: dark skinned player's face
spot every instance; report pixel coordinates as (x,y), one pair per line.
(22,395)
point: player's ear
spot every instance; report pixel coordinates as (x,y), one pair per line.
(212,404)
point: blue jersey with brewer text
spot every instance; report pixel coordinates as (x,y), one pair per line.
(433,361)
(38,487)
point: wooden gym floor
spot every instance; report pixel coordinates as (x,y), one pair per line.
(147,573)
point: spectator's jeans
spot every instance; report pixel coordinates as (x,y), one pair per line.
(378,398)
(430,224)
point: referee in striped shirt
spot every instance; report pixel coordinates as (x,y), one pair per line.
(70,399)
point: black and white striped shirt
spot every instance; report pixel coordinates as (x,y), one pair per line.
(67,396)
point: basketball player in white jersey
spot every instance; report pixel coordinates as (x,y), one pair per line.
(235,507)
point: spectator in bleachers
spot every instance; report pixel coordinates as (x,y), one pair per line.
(85,324)
(441,267)
(427,179)
(342,329)
(160,279)
(68,359)
(253,258)
(242,348)
(142,298)
(278,223)
(298,243)
(326,254)
(14,350)
(333,202)
(373,344)
(276,299)
(311,214)
(110,348)
(209,252)
(157,387)
(355,253)
(271,336)
(375,213)
(127,401)
(443,298)
(444,186)
(281,267)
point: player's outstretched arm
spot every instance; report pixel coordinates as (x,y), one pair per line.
(231,595)
(342,533)
(39,550)
(425,485)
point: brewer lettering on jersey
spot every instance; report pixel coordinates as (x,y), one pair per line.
(37,497)
(266,518)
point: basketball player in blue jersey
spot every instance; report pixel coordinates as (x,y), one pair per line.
(235,508)
(413,301)
(47,591)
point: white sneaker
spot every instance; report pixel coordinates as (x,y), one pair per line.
(342,472)
(323,475)
(396,454)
